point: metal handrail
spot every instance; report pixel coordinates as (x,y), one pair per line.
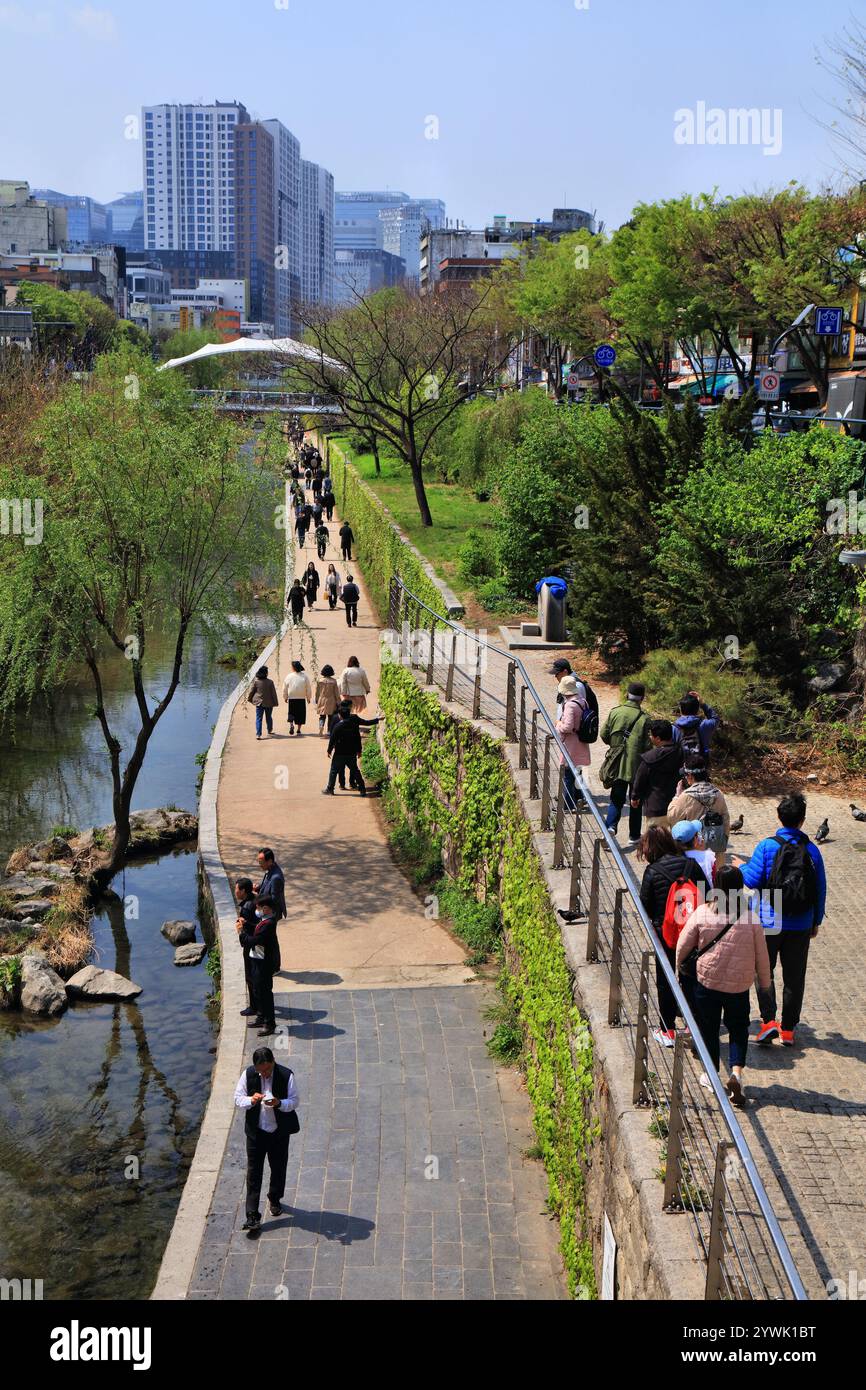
(614,855)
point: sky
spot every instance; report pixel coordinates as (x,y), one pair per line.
(506,106)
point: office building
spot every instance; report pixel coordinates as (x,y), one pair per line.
(147,284)
(387,221)
(127,220)
(362,272)
(190,197)
(186,268)
(317,220)
(88,223)
(287,226)
(255,239)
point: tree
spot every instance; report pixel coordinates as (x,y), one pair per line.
(59,316)
(146,510)
(208,373)
(848,66)
(399,364)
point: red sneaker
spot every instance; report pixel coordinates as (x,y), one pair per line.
(766,1033)
(787,1036)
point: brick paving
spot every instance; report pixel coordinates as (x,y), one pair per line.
(395,1084)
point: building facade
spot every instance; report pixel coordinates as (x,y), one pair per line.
(363,272)
(287,226)
(88,223)
(190,198)
(26,224)
(317,259)
(127,220)
(255,222)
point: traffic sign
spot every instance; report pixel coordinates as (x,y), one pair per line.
(573,381)
(605,355)
(828,322)
(769,385)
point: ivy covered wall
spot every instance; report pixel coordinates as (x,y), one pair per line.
(453,782)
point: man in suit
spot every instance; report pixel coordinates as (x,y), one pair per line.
(245,899)
(269,1095)
(350,595)
(261,944)
(272,883)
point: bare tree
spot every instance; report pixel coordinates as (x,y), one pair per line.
(848,65)
(407,363)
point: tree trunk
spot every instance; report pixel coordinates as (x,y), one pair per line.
(376,456)
(411,456)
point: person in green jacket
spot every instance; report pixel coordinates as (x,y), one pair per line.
(626,731)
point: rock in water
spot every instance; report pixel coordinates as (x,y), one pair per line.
(190,954)
(93,983)
(178,933)
(42,990)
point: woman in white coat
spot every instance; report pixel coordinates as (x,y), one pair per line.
(299,693)
(354,685)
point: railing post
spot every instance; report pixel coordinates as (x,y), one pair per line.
(676,1129)
(545,784)
(522,758)
(429,680)
(533,758)
(449,683)
(394,603)
(510,700)
(592,925)
(640,1090)
(614,998)
(574,886)
(476,693)
(715,1286)
(559,827)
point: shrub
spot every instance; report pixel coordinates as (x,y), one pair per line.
(477,555)
(372,763)
(64,832)
(497,597)
(477,924)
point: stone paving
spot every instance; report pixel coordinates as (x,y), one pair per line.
(396,1087)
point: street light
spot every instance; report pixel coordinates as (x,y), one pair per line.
(809,309)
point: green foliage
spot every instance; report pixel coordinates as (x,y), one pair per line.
(752,706)
(64,832)
(452,786)
(208,373)
(213,964)
(10,974)
(477,556)
(505,1043)
(372,762)
(477,924)
(497,597)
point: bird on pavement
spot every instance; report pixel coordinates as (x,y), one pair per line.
(822,832)
(856,812)
(736,825)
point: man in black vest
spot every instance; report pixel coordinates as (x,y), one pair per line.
(261,944)
(246,920)
(268,1094)
(346,747)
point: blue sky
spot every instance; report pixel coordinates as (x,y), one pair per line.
(538,102)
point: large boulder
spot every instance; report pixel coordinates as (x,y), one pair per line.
(60,873)
(190,954)
(178,933)
(93,983)
(22,858)
(21,886)
(42,990)
(828,675)
(10,926)
(34,909)
(153,829)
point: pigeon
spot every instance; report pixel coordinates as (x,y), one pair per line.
(822,832)
(568,916)
(736,825)
(856,812)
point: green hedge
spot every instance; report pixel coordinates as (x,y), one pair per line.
(455,784)
(382,551)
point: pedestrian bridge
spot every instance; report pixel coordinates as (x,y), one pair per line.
(267,402)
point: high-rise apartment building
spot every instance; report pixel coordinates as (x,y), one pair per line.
(254,216)
(189,176)
(287,226)
(317,257)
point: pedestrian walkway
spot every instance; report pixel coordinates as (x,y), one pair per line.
(806,1118)
(409,1177)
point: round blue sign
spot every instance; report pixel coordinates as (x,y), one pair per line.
(605,356)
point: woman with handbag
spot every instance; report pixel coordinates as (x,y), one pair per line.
(722,946)
(626,732)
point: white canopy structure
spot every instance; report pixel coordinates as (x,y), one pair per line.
(277,347)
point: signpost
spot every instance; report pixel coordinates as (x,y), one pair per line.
(769,386)
(828,322)
(605,355)
(573,381)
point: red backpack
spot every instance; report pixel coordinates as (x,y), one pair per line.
(684,896)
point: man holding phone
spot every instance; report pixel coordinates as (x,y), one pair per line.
(269,1095)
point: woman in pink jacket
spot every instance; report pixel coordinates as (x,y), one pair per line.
(567,726)
(723,945)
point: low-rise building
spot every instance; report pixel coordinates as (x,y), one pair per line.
(26,224)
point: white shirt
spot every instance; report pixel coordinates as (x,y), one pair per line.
(354,682)
(706,859)
(267,1118)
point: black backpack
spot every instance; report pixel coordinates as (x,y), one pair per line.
(793,875)
(690,735)
(588,731)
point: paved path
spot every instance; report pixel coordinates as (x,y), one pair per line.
(806,1121)
(408,1178)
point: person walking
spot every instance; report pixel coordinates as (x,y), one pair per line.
(317,482)
(688,837)
(297,598)
(299,693)
(701,800)
(667,868)
(694,728)
(272,883)
(789,870)
(261,943)
(246,918)
(311,583)
(355,685)
(347,536)
(327,698)
(317,510)
(323,535)
(626,732)
(263,694)
(723,948)
(301,524)
(568,724)
(350,594)
(268,1093)
(345,748)
(658,773)
(328,497)
(333,586)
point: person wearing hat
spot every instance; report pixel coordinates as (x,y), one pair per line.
(562,668)
(699,800)
(687,835)
(626,732)
(574,707)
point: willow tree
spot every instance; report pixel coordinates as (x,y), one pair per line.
(399,364)
(126,509)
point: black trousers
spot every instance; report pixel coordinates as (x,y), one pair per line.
(274,1147)
(352,614)
(792,949)
(339,763)
(666,997)
(329,508)
(321,547)
(710,1006)
(346,549)
(263,990)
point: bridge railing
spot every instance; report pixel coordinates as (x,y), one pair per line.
(268,399)
(709,1173)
